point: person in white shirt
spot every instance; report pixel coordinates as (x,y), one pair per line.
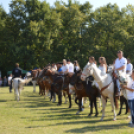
(71,67)
(120,65)
(129,67)
(54,67)
(65,67)
(9,83)
(130,95)
(103,65)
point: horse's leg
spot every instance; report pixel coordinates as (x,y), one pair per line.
(103,107)
(70,103)
(54,97)
(80,106)
(113,108)
(127,108)
(95,105)
(65,97)
(91,107)
(99,99)
(18,95)
(121,104)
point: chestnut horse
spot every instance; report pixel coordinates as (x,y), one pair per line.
(84,89)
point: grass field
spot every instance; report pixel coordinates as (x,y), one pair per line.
(35,114)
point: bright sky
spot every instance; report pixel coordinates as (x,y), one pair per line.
(95,3)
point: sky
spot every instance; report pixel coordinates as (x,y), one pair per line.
(95,3)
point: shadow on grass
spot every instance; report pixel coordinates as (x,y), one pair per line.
(96,128)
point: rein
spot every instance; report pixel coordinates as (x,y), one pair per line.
(102,89)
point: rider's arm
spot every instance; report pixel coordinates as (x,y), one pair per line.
(132,90)
(121,68)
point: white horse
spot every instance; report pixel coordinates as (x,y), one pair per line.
(104,81)
(18,84)
(124,79)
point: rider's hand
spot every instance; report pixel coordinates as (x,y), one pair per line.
(123,86)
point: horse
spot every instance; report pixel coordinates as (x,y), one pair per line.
(50,77)
(123,79)
(18,85)
(84,89)
(122,98)
(105,83)
(61,83)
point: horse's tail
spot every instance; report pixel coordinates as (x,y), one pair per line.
(18,84)
(116,102)
(115,97)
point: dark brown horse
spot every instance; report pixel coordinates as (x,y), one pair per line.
(122,101)
(61,83)
(85,89)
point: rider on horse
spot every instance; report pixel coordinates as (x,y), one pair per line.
(120,65)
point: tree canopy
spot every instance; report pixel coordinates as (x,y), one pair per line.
(35,34)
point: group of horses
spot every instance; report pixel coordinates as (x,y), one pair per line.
(81,84)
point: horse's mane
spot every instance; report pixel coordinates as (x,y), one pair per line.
(86,66)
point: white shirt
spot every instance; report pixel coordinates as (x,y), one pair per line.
(9,79)
(120,62)
(65,68)
(71,68)
(102,68)
(130,95)
(77,68)
(129,68)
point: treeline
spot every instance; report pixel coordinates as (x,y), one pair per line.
(35,34)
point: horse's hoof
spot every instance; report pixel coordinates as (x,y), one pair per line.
(118,114)
(77,112)
(96,115)
(58,104)
(114,119)
(89,115)
(129,117)
(101,119)
(83,107)
(70,106)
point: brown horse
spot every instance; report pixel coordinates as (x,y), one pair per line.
(35,74)
(56,82)
(85,89)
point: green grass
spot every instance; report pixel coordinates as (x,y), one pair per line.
(35,114)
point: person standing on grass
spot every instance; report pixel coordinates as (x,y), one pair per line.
(130,96)
(17,72)
(9,83)
(5,81)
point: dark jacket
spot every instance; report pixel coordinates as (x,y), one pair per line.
(17,72)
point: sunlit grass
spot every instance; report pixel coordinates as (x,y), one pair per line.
(35,114)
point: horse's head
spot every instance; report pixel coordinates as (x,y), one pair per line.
(75,77)
(110,69)
(122,77)
(87,71)
(34,74)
